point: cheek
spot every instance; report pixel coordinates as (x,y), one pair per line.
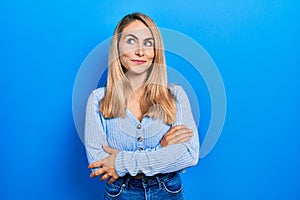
(125,49)
(124,56)
(150,53)
(124,61)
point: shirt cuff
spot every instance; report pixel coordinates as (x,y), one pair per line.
(119,164)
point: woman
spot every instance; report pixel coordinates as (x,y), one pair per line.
(139,131)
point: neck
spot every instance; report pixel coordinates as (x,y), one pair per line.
(136,81)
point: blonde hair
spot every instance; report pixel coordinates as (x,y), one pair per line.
(157,101)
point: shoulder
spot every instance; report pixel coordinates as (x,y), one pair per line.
(178,93)
(176,90)
(98,93)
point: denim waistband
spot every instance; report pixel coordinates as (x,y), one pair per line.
(147,181)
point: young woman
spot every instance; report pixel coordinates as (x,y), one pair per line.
(139,131)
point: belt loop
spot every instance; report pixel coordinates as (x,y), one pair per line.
(158,181)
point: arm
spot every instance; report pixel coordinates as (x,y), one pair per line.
(95,140)
(94,132)
(166,159)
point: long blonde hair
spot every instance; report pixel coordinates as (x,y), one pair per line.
(157,101)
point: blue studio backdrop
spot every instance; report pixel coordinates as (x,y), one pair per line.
(254,44)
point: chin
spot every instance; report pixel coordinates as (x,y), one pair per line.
(140,69)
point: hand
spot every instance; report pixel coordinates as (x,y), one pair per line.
(107,166)
(177,134)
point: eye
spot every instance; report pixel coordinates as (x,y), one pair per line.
(148,43)
(130,41)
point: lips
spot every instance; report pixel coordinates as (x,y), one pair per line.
(138,62)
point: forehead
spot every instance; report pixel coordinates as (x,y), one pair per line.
(138,29)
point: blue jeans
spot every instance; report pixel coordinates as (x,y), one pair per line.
(164,186)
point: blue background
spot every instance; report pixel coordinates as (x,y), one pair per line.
(254,43)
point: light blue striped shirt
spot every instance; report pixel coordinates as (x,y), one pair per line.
(138,141)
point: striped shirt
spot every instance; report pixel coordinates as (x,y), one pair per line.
(138,142)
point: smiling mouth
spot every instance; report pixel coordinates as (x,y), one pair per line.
(138,62)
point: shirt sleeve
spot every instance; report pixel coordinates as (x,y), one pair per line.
(167,159)
(95,129)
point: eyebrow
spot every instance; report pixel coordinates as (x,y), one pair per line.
(127,35)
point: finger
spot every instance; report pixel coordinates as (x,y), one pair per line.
(109,150)
(182,140)
(182,131)
(172,140)
(96,164)
(111,180)
(104,177)
(177,127)
(181,135)
(97,173)
(174,129)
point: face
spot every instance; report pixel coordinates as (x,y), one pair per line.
(136,48)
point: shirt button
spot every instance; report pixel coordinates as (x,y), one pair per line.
(141,149)
(139,126)
(140,139)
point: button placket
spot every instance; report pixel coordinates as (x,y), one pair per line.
(141,148)
(139,137)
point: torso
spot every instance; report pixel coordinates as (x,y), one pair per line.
(133,104)
(123,132)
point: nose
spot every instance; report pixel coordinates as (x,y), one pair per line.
(139,51)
